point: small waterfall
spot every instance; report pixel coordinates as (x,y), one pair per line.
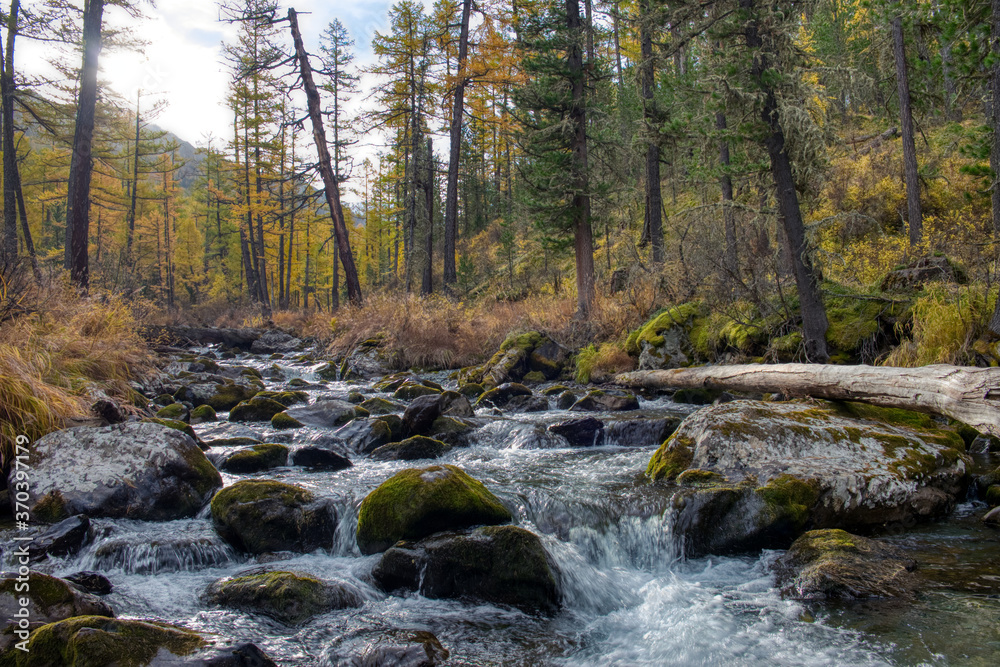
(141,548)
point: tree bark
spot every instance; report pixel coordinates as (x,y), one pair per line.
(458,110)
(9,247)
(330,186)
(583,240)
(130,233)
(427,282)
(81,162)
(814,322)
(910,172)
(995,121)
(653,223)
(970,395)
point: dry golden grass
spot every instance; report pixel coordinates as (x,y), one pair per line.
(53,359)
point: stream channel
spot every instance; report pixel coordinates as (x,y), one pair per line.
(629,596)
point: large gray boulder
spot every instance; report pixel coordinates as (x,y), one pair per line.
(135,471)
(290,597)
(275,340)
(756,474)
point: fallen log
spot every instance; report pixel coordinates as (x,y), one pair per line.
(970,395)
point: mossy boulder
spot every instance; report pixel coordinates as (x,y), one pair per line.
(286,398)
(641,432)
(364,436)
(289,597)
(554,390)
(99,641)
(790,467)
(499,397)
(256,458)
(259,516)
(175,424)
(326,414)
(519,354)
(380,406)
(411,449)
(606,401)
(329,371)
(136,470)
(662,342)
(256,410)
(498,564)
(283,420)
(49,599)
(566,400)
(471,390)
(227,396)
(411,390)
(418,502)
(203,413)
(176,411)
(836,565)
(319,458)
(534,377)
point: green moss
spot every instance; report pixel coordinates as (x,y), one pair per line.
(788,496)
(672,458)
(172,411)
(297,382)
(652,331)
(395,425)
(207,478)
(256,410)
(44,590)
(380,406)
(251,373)
(993,495)
(417,502)
(355,397)
(329,371)
(175,424)
(50,509)
(448,426)
(228,396)
(892,416)
(97,641)
(471,389)
(259,457)
(554,390)
(526,342)
(290,597)
(411,449)
(286,398)
(411,390)
(699,477)
(253,490)
(204,413)
(534,377)
(283,420)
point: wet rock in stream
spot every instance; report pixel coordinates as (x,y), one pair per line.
(50,599)
(287,596)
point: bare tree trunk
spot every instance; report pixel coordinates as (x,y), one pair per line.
(970,395)
(330,186)
(653,222)
(81,162)
(910,172)
(8,249)
(583,240)
(458,110)
(427,284)
(814,322)
(130,234)
(732,265)
(994,325)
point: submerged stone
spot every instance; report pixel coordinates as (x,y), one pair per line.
(836,565)
(417,502)
(319,458)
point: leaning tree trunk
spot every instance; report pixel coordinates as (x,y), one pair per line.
(330,186)
(970,395)
(910,171)
(451,195)
(82,163)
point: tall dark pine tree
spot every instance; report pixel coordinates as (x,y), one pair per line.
(583,240)
(458,110)
(910,171)
(8,249)
(653,222)
(81,162)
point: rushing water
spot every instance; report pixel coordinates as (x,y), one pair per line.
(629,597)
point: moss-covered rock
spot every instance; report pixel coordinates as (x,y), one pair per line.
(417,502)
(134,470)
(283,420)
(411,449)
(534,377)
(256,410)
(203,413)
(554,390)
(566,400)
(329,371)
(49,598)
(256,458)
(519,354)
(604,401)
(176,425)
(227,396)
(410,390)
(788,467)
(502,395)
(176,411)
(471,390)
(98,641)
(380,406)
(662,341)
(836,565)
(259,516)
(499,564)
(992,497)
(355,397)
(391,383)
(289,597)
(286,398)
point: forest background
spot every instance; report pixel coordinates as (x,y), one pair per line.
(808,180)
